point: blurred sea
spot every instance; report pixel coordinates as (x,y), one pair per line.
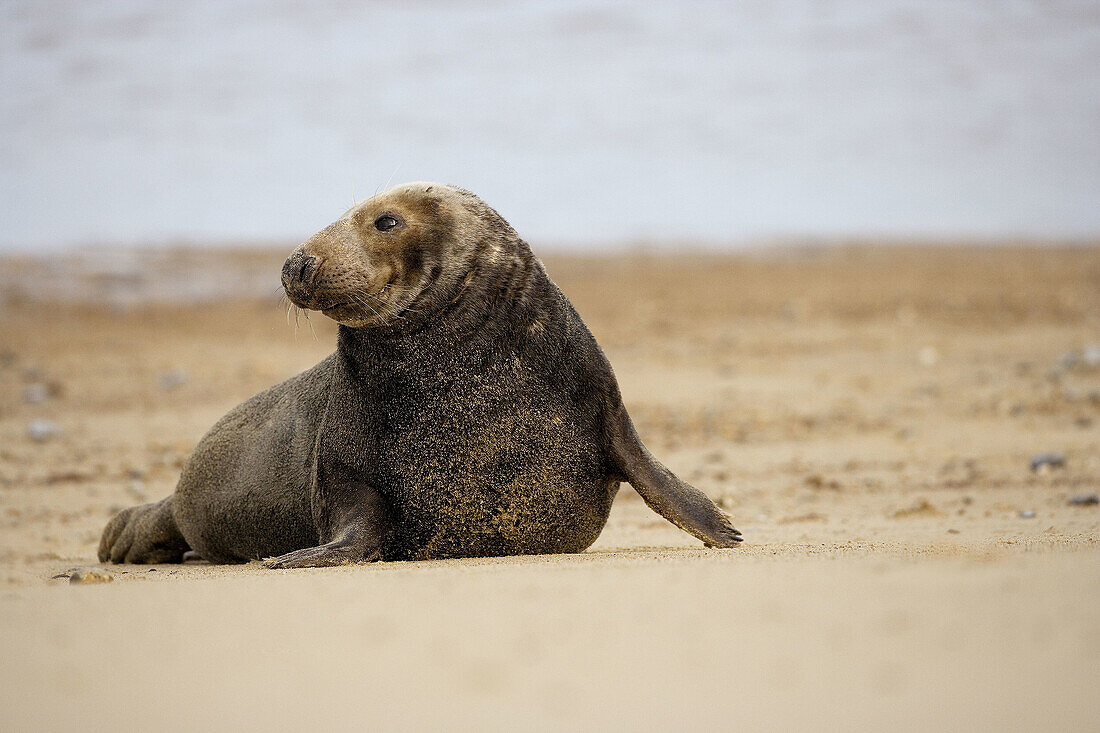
(587,124)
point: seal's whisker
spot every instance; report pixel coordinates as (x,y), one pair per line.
(394,306)
(380,187)
(383,300)
(363,302)
(372,296)
(393,310)
(398,288)
(310,322)
(368,306)
(358,302)
(410,299)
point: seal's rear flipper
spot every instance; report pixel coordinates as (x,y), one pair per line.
(677,501)
(143,534)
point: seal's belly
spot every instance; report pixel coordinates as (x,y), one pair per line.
(520,520)
(521,484)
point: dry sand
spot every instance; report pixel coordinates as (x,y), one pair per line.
(868,416)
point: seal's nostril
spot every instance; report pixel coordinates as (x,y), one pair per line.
(307,269)
(299,270)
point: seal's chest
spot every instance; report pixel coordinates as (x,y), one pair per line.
(471,454)
(526,479)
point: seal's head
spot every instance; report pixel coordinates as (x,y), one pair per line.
(404,251)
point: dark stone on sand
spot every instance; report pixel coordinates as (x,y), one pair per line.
(1045,462)
(1086,358)
(1085,500)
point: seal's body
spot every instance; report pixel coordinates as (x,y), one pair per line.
(467,412)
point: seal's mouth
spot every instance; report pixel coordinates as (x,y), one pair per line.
(352,306)
(308,301)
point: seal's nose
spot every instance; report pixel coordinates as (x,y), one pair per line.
(299,271)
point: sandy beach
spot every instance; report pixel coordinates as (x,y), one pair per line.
(868,415)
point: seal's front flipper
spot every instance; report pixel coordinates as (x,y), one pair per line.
(339,552)
(675,500)
(352,530)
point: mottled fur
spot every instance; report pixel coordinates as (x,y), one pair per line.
(466,412)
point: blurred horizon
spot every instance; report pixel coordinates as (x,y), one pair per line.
(590,126)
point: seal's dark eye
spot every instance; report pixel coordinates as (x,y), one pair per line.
(385,223)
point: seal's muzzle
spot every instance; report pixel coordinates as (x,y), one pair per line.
(299,271)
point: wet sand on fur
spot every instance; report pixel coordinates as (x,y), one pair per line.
(868,416)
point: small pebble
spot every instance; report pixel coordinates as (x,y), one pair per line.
(88,576)
(1044,463)
(172,378)
(1027,515)
(1085,500)
(42,430)
(35,393)
(1088,357)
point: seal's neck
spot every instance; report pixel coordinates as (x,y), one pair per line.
(504,292)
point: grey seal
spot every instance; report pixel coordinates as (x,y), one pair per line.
(467,411)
